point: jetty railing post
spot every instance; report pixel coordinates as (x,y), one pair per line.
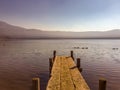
(54,54)
(102,84)
(35,83)
(72,54)
(50,65)
(79,64)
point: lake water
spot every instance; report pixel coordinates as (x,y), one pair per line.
(21,60)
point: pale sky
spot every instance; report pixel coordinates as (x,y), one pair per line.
(62,15)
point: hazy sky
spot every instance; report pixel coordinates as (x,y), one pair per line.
(64,15)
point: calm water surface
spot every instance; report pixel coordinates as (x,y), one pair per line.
(21,60)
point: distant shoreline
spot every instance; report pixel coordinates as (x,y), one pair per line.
(49,38)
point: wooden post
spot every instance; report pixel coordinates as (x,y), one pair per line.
(72,54)
(102,84)
(50,62)
(35,84)
(50,65)
(79,64)
(54,54)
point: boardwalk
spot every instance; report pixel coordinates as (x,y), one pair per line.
(65,75)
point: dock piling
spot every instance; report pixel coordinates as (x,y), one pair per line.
(102,84)
(72,54)
(50,65)
(54,54)
(79,64)
(36,84)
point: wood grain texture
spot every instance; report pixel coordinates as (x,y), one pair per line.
(66,76)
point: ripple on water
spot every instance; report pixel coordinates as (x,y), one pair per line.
(22,60)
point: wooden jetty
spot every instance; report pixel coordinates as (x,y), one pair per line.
(65,75)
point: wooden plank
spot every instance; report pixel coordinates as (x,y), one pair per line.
(65,76)
(54,82)
(78,80)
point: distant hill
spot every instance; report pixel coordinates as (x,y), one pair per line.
(10,31)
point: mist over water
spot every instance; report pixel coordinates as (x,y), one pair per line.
(21,60)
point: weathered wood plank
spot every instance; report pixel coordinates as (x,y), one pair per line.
(54,82)
(66,79)
(78,80)
(66,76)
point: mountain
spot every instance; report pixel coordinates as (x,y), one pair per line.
(10,31)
